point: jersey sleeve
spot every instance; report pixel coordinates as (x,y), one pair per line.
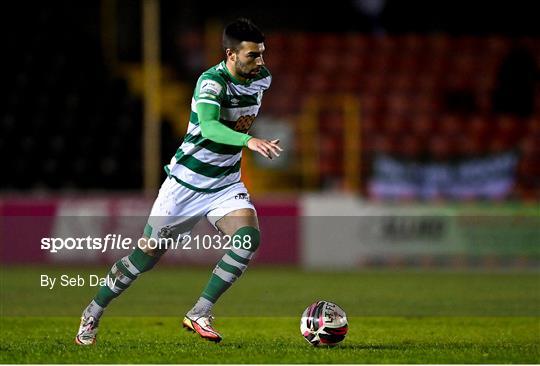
(210,90)
(209,94)
(214,130)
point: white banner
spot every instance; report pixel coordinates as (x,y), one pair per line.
(343,232)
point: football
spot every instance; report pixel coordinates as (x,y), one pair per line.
(324,323)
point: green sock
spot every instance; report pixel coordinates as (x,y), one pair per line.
(122,274)
(233,263)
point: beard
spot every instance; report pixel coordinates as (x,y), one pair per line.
(244,71)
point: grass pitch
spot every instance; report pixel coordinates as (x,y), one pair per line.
(394,317)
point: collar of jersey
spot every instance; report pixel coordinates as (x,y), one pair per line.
(233,79)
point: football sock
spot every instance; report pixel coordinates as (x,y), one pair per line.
(230,267)
(122,274)
(202,307)
(93,309)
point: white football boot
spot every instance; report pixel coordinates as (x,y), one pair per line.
(202,324)
(87,331)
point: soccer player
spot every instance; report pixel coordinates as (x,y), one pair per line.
(204,180)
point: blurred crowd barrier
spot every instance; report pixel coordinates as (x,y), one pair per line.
(315,231)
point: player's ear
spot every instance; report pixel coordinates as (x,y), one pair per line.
(231,54)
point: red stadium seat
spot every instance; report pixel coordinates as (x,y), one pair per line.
(533,126)
(331,122)
(325,62)
(318,83)
(353,63)
(369,124)
(374,83)
(422,126)
(496,46)
(357,42)
(530,149)
(397,104)
(438,44)
(478,127)
(508,128)
(371,103)
(395,125)
(412,44)
(379,63)
(411,147)
(382,144)
(330,41)
(450,125)
(498,144)
(470,146)
(346,82)
(441,147)
(403,82)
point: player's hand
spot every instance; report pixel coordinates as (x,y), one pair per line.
(267,148)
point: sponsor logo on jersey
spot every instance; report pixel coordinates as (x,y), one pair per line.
(243,124)
(242,196)
(211,87)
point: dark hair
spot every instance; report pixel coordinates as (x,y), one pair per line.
(241,30)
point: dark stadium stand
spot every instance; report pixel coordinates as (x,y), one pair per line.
(67,122)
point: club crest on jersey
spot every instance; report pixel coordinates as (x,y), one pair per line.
(243,124)
(211,87)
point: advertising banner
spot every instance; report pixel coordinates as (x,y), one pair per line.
(490,177)
(90,230)
(342,232)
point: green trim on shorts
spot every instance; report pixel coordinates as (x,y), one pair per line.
(148,230)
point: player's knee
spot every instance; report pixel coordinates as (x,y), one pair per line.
(250,237)
(143,261)
(149,248)
(154,252)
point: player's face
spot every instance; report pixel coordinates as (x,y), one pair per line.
(248,60)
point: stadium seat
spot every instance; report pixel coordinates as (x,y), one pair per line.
(411,148)
(469,147)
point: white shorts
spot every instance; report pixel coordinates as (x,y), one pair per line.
(177,209)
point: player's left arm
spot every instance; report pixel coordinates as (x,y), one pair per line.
(214,130)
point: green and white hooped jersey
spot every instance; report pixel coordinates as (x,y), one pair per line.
(204,165)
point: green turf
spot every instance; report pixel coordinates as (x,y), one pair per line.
(395,317)
(275,340)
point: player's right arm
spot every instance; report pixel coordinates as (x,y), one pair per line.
(209,96)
